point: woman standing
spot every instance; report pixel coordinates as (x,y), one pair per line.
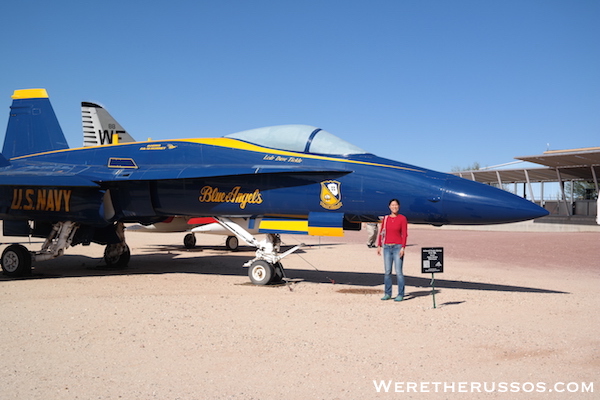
(394,231)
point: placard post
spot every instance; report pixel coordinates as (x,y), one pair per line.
(432,261)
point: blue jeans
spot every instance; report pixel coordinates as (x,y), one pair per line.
(391,255)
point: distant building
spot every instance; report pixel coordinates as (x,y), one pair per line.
(559,167)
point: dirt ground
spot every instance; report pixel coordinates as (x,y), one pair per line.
(516,318)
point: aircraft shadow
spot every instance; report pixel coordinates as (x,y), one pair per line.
(375,279)
(229,264)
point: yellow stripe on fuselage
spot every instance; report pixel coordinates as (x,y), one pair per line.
(236,145)
(240,145)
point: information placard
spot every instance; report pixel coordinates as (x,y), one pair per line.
(433,260)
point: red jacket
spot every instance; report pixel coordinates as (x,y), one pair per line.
(394,230)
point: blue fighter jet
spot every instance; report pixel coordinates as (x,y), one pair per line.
(284,179)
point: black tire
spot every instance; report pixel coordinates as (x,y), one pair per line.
(16,261)
(261,272)
(277,273)
(232,243)
(120,261)
(189,241)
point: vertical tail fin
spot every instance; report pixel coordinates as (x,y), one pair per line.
(99,126)
(32,125)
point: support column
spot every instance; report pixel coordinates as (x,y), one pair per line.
(562,191)
(529,186)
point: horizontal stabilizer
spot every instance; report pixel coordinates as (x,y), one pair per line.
(32,125)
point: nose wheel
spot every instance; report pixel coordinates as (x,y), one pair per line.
(262,272)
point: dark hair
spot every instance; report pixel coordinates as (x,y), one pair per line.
(396,200)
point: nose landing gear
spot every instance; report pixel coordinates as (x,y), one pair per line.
(266,267)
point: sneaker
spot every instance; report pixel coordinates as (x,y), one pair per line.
(399,298)
(386,297)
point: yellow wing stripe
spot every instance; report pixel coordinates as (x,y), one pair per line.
(285,225)
(299,226)
(321,231)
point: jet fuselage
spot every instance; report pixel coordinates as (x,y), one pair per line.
(223,176)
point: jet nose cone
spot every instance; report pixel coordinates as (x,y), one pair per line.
(468,202)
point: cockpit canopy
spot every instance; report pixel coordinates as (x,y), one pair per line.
(300,138)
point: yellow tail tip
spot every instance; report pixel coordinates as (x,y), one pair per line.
(30,94)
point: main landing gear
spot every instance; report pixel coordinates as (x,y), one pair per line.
(266,267)
(17,260)
(117,254)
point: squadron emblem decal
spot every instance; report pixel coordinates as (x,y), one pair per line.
(331,196)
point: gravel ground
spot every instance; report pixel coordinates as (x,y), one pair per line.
(516,312)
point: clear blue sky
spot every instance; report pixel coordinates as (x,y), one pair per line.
(435,83)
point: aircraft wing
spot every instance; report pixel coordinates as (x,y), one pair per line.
(67,176)
(49,175)
(46,180)
(208,171)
